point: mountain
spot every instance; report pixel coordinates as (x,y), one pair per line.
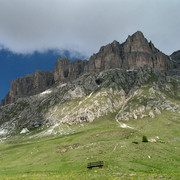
(96,110)
(28,85)
(14,65)
(120,69)
(133,53)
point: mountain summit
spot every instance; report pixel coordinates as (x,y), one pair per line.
(135,52)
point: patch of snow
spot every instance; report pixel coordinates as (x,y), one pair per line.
(49,91)
(122,125)
(56,125)
(24,130)
(62,85)
(50,131)
(130,70)
(3,131)
(90,94)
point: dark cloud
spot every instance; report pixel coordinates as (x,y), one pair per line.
(85,25)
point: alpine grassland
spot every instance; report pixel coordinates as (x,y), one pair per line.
(124,154)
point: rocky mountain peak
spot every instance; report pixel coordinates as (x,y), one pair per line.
(114,46)
(63,61)
(138,35)
(136,51)
(137,43)
(115,43)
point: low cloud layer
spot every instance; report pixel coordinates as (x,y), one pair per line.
(85,25)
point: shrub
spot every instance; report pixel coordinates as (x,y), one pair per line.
(135,142)
(144,139)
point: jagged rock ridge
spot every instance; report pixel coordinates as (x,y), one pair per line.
(133,53)
(29,85)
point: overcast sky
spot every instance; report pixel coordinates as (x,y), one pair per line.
(85,25)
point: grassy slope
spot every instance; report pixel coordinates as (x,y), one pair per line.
(66,157)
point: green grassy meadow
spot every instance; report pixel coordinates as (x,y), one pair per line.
(122,150)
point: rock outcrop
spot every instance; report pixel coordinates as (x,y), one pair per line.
(65,70)
(29,85)
(176,57)
(136,51)
(133,53)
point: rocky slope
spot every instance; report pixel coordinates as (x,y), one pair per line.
(129,94)
(133,53)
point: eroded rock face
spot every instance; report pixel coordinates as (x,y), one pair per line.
(175,56)
(133,53)
(65,70)
(29,85)
(136,51)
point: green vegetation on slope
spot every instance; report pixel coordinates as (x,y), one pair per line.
(66,157)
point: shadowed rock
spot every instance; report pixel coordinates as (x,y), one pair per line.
(29,85)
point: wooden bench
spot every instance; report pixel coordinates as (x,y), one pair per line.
(99,164)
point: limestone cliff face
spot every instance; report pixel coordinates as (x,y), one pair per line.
(136,51)
(65,70)
(29,85)
(133,53)
(175,56)
(108,57)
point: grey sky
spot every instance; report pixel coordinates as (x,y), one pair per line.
(85,25)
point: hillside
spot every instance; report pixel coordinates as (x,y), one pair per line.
(96,117)
(66,157)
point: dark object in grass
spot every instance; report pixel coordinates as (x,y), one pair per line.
(99,164)
(135,142)
(144,139)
